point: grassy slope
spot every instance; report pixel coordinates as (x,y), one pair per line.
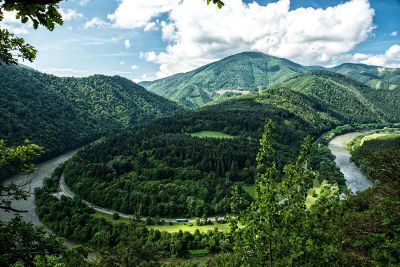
(212,134)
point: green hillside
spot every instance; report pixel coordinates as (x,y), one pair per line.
(249,72)
(335,98)
(374,76)
(64,113)
(232,76)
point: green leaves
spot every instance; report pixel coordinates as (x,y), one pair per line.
(13,48)
(44,14)
(219,3)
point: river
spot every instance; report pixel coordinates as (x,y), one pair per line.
(44,170)
(356,180)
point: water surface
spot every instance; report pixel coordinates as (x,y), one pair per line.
(356,180)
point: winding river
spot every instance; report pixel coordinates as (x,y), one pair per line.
(355,179)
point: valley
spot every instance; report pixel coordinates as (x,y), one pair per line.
(171,172)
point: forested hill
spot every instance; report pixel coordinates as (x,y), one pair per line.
(252,71)
(373,76)
(63,113)
(336,98)
(232,76)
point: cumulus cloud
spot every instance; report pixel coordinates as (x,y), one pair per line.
(391,58)
(14,25)
(135,14)
(198,34)
(127,44)
(134,67)
(394,34)
(70,14)
(96,23)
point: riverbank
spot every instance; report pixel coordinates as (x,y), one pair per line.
(356,180)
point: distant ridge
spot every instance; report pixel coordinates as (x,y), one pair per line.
(250,72)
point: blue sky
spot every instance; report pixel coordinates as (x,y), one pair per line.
(146,39)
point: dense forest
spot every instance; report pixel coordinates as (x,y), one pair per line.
(64,113)
(160,169)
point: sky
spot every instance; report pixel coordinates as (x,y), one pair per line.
(150,39)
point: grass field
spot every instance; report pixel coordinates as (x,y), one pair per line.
(186,227)
(174,228)
(211,134)
(109,218)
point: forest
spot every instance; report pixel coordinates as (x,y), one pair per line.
(60,114)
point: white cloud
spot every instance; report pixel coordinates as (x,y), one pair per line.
(150,26)
(96,23)
(134,67)
(127,44)
(394,34)
(70,14)
(122,63)
(145,77)
(135,14)
(14,25)
(199,34)
(391,58)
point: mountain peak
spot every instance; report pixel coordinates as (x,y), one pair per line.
(231,76)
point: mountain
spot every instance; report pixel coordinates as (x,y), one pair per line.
(250,72)
(232,76)
(340,99)
(63,113)
(374,76)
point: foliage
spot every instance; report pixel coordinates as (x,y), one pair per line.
(15,159)
(39,13)
(276,227)
(22,241)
